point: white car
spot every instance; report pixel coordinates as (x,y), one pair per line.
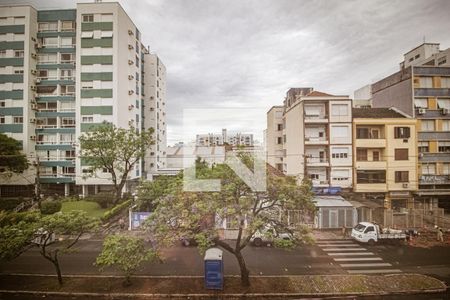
(267,236)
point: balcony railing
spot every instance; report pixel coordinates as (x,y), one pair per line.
(434,179)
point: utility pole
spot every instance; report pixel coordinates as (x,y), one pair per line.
(37,182)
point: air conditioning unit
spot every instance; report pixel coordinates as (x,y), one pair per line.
(130,77)
(33,87)
(38,45)
(130,47)
(32,120)
(130,32)
(405,185)
(131,122)
(130,62)
(33,39)
(130,92)
(32,137)
(33,55)
(422,111)
(36,95)
(38,80)
(130,107)
(444,111)
(34,72)
(32,101)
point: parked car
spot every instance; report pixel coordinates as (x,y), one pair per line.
(268,235)
(371,233)
(40,237)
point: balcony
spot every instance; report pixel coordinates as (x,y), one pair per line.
(434,157)
(317,162)
(320,183)
(433,135)
(370,143)
(434,179)
(310,119)
(370,165)
(316,141)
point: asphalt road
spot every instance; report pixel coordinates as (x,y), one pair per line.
(317,259)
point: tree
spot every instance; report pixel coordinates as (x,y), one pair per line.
(11,158)
(115,149)
(150,191)
(126,253)
(40,232)
(197,214)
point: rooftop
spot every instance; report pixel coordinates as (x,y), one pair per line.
(376,113)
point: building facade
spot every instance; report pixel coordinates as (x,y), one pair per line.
(385,157)
(422,91)
(214,139)
(274,137)
(83,67)
(317,137)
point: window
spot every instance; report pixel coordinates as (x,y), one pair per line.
(67,57)
(401,176)
(87,119)
(279,167)
(48,26)
(423,147)
(67,90)
(88,18)
(137,47)
(2,103)
(279,127)
(445,125)
(339,131)
(426,82)
(50,42)
(444,147)
(67,26)
(340,175)
(442,60)
(18,53)
(421,103)
(376,156)
(87,84)
(369,176)
(427,125)
(67,106)
(279,140)
(428,169)
(361,154)
(402,132)
(47,58)
(443,103)
(314,110)
(2,119)
(2,53)
(137,103)
(67,122)
(18,71)
(339,109)
(66,74)
(369,229)
(137,61)
(67,42)
(106,34)
(401,154)
(446,169)
(445,82)
(339,153)
(87,34)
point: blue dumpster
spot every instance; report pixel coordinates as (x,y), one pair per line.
(213,269)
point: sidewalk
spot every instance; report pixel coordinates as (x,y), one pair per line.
(330,234)
(273,287)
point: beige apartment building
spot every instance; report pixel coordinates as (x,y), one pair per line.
(317,137)
(385,157)
(274,137)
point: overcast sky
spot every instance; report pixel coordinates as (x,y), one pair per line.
(247,54)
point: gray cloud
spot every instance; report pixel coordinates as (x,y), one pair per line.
(231,53)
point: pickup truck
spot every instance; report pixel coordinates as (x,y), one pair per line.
(371,233)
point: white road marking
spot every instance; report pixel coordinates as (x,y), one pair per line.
(366,265)
(358,259)
(344,249)
(350,253)
(338,245)
(374,271)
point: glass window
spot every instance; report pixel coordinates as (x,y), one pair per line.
(427,125)
(339,152)
(18,120)
(445,82)
(428,169)
(87,119)
(48,26)
(426,82)
(2,53)
(67,42)
(423,147)
(339,131)
(446,125)
(401,176)
(67,26)
(401,132)
(50,42)
(421,103)
(339,109)
(444,147)
(18,53)
(446,169)
(361,154)
(88,18)
(87,34)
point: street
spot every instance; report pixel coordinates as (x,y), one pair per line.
(326,257)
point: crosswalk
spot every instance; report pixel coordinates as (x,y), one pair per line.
(354,258)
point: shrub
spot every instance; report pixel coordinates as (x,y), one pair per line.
(103,199)
(7,219)
(286,244)
(50,207)
(10,203)
(115,210)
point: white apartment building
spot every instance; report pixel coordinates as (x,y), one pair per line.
(214,139)
(317,137)
(274,137)
(427,54)
(68,71)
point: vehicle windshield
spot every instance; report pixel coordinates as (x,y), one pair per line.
(359,227)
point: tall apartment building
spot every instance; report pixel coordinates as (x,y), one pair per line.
(274,137)
(213,139)
(317,137)
(421,89)
(385,157)
(78,68)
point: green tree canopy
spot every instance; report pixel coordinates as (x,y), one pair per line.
(11,157)
(115,149)
(184,214)
(125,253)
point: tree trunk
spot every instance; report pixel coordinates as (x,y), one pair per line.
(58,270)
(245,280)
